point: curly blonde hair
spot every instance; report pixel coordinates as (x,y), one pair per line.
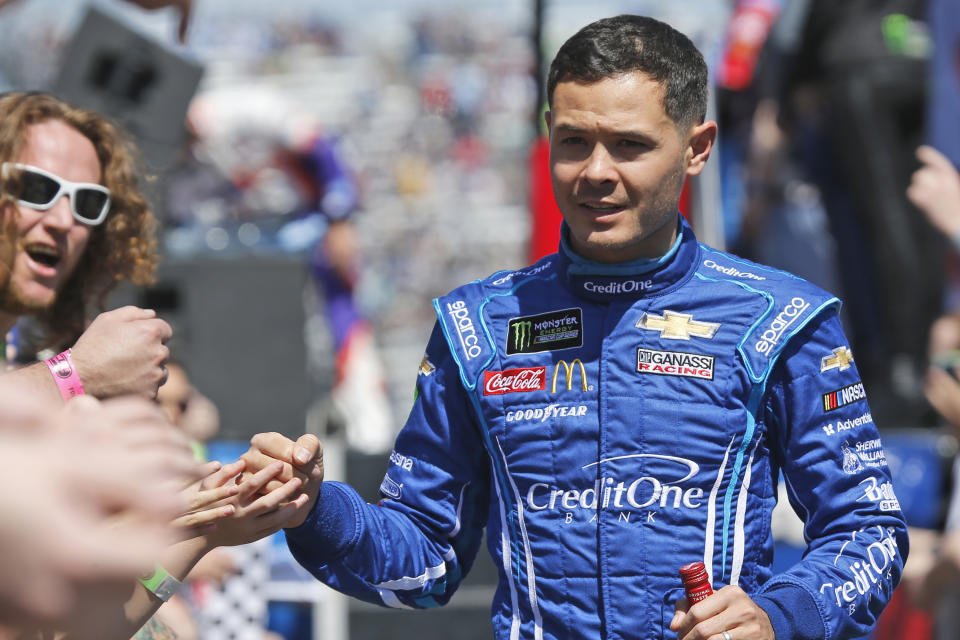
(124,246)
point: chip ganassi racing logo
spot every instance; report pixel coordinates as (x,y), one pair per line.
(662,484)
(675,363)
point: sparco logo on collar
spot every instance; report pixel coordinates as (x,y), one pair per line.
(466,332)
(545,332)
(514,380)
(618,286)
(675,363)
(784,320)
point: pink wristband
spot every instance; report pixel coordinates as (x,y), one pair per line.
(65,375)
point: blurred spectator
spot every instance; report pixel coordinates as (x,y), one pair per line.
(70,195)
(359,392)
(292,184)
(944,105)
(868,61)
(933,580)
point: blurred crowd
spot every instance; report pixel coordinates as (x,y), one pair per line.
(397,167)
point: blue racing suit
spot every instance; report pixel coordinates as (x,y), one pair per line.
(610,423)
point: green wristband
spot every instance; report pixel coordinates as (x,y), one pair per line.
(160,583)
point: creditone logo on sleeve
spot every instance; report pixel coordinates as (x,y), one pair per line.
(466,332)
(675,363)
(545,332)
(515,380)
(840,360)
(784,320)
(568,371)
(866,562)
(677,326)
(842,397)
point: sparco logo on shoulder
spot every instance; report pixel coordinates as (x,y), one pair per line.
(784,320)
(514,380)
(465,329)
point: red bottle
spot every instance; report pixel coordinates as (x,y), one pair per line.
(695,581)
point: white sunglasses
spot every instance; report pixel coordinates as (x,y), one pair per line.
(40,190)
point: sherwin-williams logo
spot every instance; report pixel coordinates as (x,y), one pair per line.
(675,363)
(545,332)
(867,453)
(842,397)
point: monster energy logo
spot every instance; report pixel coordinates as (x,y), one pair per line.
(522,331)
(545,332)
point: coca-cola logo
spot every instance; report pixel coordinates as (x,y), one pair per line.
(514,380)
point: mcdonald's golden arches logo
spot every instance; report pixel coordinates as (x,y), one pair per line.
(568,371)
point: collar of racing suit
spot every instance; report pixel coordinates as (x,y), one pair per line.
(629,280)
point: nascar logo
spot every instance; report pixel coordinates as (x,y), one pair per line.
(842,397)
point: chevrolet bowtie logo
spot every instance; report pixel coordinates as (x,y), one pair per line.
(677,326)
(840,360)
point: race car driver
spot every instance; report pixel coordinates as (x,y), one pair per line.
(624,407)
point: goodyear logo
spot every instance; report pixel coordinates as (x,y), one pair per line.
(545,332)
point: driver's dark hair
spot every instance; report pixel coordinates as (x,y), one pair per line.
(625,44)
